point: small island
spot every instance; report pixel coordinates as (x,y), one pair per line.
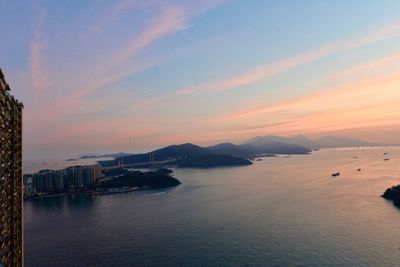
(393,194)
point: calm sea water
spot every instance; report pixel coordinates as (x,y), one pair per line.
(277,212)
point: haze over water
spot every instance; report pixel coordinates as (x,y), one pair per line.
(277,212)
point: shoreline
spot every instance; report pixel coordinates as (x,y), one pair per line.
(111,191)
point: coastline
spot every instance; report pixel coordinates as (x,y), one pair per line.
(110,191)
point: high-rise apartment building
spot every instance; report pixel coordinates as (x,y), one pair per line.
(11,226)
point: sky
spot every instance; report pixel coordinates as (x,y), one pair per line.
(129,75)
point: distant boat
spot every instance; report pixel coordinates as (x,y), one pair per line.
(355,157)
(336,174)
(359,169)
(386,159)
(259,159)
(385,153)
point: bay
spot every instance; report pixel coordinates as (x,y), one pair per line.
(282,211)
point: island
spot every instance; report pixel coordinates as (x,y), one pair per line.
(140,180)
(211,161)
(180,156)
(393,194)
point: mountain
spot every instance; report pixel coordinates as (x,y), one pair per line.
(300,140)
(258,148)
(211,161)
(330,141)
(179,151)
(231,149)
(221,154)
(95,156)
(304,141)
(185,155)
(271,144)
(279,148)
(168,153)
(323,142)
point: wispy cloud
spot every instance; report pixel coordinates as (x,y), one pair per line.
(120,63)
(69,120)
(113,12)
(358,104)
(377,116)
(38,70)
(364,68)
(88,86)
(266,71)
(170,19)
(337,96)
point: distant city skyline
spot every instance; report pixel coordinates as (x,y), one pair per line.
(128,75)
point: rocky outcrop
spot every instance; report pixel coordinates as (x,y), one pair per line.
(393,194)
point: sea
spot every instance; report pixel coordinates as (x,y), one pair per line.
(281,211)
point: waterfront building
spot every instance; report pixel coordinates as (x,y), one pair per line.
(28,186)
(56,181)
(59,180)
(94,173)
(11,194)
(46,181)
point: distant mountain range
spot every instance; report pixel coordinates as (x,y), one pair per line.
(190,155)
(228,154)
(323,142)
(184,155)
(95,156)
(334,141)
(259,148)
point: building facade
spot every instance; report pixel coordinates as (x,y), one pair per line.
(64,180)
(11,194)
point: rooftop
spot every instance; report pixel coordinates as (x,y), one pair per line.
(5,88)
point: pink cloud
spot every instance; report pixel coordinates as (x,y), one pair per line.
(378,64)
(365,103)
(266,71)
(38,70)
(335,95)
(384,115)
(119,65)
(169,20)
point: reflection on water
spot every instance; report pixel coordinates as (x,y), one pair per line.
(277,212)
(60,202)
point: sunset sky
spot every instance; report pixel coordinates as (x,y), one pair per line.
(130,75)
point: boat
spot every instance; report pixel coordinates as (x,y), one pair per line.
(336,174)
(359,169)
